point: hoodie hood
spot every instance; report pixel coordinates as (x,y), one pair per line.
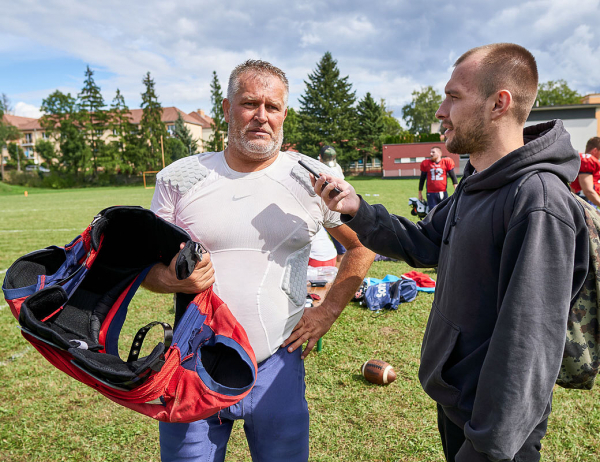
(547,149)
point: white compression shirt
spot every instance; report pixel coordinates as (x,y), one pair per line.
(257,227)
(322,248)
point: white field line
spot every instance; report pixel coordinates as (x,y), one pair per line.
(3,271)
(37,230)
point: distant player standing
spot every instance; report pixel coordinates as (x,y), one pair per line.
(588,180)
(434,170)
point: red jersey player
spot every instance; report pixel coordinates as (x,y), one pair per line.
(588,180)
(434,170)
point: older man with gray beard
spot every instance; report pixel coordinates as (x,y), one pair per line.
(254,209)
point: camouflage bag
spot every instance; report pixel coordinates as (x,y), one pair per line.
(581,358)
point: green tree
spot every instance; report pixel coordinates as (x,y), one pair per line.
(291,130)
(93,118)
(183,134)
(216,141)
(45,150)
(61,120)
(127,145)
(5,104)
(391,125)
(556,93)
(7,133)
(327,114)
(420,113)
(369,128)
(175,149)
(16,156)
(152,129)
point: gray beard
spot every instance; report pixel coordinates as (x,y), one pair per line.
(253,149)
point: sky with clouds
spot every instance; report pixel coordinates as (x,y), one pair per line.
(388,48)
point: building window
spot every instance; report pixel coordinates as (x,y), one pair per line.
(28,138)
(28,153)
(45,136)
(171,129)
(115,132)
(99,132)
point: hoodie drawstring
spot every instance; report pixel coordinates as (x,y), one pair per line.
(453,212)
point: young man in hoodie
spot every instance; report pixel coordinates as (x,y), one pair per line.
(511,247)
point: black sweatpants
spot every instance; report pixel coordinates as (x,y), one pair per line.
(453,437)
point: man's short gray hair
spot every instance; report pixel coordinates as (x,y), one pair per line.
(258,68)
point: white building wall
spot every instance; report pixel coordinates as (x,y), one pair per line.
(581,130)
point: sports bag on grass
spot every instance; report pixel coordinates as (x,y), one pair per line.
(581,356)
(71,303)
(390,294)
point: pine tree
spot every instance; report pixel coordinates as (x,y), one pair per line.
(62,120)
(127,143)
(369,128)
(419,114)
(93,117)
(152,129)
(327,115)
(291,130)
(183,134)
(216,142)
(175,150)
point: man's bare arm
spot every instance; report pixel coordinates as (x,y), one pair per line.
(316,321)
(586,181)
(162,278)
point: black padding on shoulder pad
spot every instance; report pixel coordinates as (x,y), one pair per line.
(187,259)
(98,228)
(40,306)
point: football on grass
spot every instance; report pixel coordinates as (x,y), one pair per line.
(379,372)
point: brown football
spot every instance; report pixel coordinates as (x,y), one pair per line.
(379,372)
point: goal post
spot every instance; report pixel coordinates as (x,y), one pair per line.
(150,172)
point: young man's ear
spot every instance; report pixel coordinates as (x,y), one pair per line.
(502,103)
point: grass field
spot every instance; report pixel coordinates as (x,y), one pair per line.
(47,416)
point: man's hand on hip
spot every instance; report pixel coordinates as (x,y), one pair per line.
(314,323)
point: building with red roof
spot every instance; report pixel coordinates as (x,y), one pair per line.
(198,123)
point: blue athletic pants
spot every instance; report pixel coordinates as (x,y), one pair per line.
(275,415)
(434,199)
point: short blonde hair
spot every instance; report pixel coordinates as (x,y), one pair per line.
(507,66)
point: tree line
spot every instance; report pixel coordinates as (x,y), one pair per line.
(329,114)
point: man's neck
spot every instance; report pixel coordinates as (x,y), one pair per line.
(499,146)
(239,162)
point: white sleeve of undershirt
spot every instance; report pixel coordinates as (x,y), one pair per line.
(164,201)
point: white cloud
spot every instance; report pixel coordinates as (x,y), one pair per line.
(388,48)
(27,110)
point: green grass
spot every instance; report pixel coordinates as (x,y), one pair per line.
(47,416)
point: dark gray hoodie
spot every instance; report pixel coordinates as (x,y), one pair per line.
(511,247)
